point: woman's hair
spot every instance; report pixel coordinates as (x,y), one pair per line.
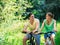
(50,14)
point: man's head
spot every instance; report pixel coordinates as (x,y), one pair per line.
(31,16)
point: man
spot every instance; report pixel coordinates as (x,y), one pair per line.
(31,26)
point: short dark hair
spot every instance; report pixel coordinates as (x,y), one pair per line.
(29,14)
(50,14)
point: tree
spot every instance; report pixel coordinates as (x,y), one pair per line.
(41,7)
(12,9)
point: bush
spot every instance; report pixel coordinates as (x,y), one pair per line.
(57,40)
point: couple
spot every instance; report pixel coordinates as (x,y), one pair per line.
(33,25)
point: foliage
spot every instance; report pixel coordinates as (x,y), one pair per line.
(57,38)
(12,9)
(11,22)
(41,7)
(11,18)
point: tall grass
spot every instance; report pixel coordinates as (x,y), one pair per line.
(10,33)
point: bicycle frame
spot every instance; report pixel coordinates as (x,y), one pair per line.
(31,40)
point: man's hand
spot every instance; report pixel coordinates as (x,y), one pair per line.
(28,31)
(34,31)
(38,32)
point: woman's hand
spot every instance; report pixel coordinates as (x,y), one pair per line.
(55,30)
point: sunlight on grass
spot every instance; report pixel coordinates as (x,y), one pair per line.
(12,35)
(58,26)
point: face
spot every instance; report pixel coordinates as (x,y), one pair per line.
(31,17)
(48,17)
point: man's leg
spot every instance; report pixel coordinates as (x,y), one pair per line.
(37,39)
(26,38)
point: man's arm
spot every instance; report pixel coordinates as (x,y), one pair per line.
(37,26)
(25,28)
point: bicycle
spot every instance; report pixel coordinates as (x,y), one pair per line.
(48,38)
(32,39)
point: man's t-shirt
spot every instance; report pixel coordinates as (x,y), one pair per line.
(32,27)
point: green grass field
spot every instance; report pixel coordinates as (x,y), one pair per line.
(10,34)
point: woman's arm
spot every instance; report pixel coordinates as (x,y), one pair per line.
(42,27)
(55,29)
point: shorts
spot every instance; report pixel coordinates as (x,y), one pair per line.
(36,36)
(49,34)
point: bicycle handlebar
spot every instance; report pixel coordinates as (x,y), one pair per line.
(40,32)
(46,32)
(30,32)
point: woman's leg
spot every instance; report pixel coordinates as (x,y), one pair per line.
(46,42)
(45,36)
(52,39)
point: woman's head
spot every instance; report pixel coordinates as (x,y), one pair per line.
(49,15)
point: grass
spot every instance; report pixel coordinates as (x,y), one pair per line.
(10,34)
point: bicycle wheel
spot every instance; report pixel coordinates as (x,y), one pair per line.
(31,43)
(48,42)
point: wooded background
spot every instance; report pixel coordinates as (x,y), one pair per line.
(13,14)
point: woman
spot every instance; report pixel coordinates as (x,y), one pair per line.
(50,25)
